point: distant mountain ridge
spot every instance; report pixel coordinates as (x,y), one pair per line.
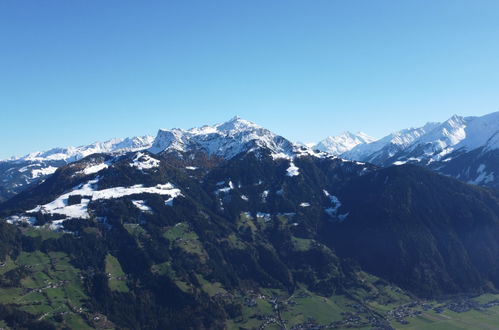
(337,145)
(462,147)
(433,141)
(70,154)
(224,140)
(16,174)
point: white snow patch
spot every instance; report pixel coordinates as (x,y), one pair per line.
(57,225)
(247,215)
(264,196)
(43,171)
(169,201)
(94,169)
(191,168)
(280,155)
(25,168)
(117,192)
(88,192)
(304,204)
(292,170)
(60,205)
(302,151)
(266,216)
(483,176)
(143,161)
(402,162)
(21,219)
(244,198)
(141,205)
(224,190)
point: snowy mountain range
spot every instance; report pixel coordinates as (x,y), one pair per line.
(224,140)
(71,154)
(261,191)
(229,206)
(16,174)
(462,147)
(432,142)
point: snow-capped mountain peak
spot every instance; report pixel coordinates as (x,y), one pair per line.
(237,124)
(224,140)
(439,138)
(481,132)
(336,145)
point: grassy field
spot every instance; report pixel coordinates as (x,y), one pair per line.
(8,264)
(246,221)
(136,231)
(50,286)
(295,309)
(211,288)
(184,237)
(235,242)
(164,268)
(117,278)
(488,319)
(302,244)
(360,306)
(43,232)
(323,310)
(485,298)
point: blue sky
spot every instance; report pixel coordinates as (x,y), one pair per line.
(74,72)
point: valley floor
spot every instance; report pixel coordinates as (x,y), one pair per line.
(48,286)
(305,310)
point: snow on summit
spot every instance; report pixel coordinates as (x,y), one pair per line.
(336,145)
(225,140)
(429,144)
(71,154)
(432,141)
(237,135)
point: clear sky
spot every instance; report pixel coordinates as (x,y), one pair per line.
(74,72)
